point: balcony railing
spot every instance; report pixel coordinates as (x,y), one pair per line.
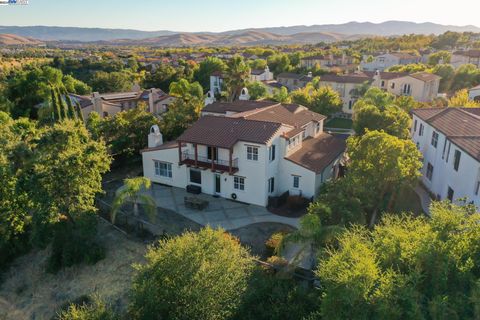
(204,162)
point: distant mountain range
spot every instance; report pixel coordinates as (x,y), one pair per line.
(275,35)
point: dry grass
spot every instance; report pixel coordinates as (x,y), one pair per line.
(28,292)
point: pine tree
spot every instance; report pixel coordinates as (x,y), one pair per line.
(79,111)
(70,110)
(61,103)
(55,107)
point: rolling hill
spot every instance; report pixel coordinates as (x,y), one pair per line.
(15,40)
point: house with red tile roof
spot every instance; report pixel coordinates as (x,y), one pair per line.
(449,140)
(248,151)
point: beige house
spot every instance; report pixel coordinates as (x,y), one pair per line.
(346,86)
(328,62)
(293,81)
(108,104)
(422,86)
(464,57)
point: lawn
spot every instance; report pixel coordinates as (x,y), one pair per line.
(339,123)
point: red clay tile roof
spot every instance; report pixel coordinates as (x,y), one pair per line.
(468,53)
(387,75)
(224,132)
(237,106)
(345,78)
(425,76)
(291,114)
(317,153)
(290,75)
(459,125)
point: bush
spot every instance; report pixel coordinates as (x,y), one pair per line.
(87,308)
(273,243)
(194,276)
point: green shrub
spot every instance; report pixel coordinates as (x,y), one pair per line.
(87,309)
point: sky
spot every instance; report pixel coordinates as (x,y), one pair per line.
(222,15)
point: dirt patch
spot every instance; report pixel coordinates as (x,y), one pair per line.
(28,292)
(254,236)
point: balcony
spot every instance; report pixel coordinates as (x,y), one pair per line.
(222,166)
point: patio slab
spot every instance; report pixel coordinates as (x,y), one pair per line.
(220,212)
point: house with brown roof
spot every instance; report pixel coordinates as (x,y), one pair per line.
(385,61)
(464,57)
(449,140)
(329,62)
(248,151)
(108,104)
(422,86)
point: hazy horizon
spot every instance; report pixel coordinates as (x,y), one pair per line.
(219,16)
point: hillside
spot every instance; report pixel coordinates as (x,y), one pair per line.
(388,28)
(15,40)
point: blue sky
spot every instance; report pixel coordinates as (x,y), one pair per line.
(221,15)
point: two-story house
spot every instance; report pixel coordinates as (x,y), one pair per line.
(248,151)
(217,78)
(385,61)
(328,62)
(261,74)
(464,57)
(347,87)
(422,86)
(108,104)
(293,81)
(449,140)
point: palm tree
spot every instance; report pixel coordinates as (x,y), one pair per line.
(132,192)
(311,234)
(236,77)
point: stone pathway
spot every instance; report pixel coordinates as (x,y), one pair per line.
(221,212)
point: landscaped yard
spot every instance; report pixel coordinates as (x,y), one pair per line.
(339,123)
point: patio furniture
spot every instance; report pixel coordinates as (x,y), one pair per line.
(194,189)
(195,203)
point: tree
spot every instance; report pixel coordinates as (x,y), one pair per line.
(439,57)
(112,81)
(95,310)
(461,99)
(446,72)
(380,165)
(62,180)
(236,77)
(281,95)
(391,119)
(326,101)
(279,63)
(466,76)
(132,192)
(186,90)
(73,85)
(405,268)
(162,77)
(206,68)
(193,276)
(257,90)
(180,115)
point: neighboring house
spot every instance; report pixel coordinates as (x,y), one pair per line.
(217,78)
(108,104)
(463,57)
(346,86)
(474,93)
(248,151)
(328,62)
(293,81)
(261,74)
(388,60)
(422,86)
(449,140)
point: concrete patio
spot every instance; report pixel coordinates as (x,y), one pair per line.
(220,212)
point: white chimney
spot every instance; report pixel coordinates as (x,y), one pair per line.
(155,138)
(210,98)
(310,74)
(244,95)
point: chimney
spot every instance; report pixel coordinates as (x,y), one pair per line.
(155,138)
(310,74)
(97,103)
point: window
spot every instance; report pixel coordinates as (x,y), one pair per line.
(212,153)
(450,194)
(252,153)
(429,171)
(406,89)
(163,169)
(271,153)
(420,131)
(456,160)
(477,187)
(448,152)
(434,139)
(392,85)
(195,176)
(444,148)
(271,185)
(296,181)
(415,126)
(238,183)
(383,84)
(350,104)
(317,129)
(304,134)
